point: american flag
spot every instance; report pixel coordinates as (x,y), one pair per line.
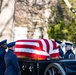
(38,49)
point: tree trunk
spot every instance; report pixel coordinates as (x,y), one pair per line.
(0,5)
(7,20)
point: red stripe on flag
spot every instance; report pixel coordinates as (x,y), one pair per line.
(55,45)
(47,45)
(31,55)
(54,55)
(36,41)
(29,46)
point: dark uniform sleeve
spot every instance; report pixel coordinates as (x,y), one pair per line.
(61,53)
(71,56)
(16,65)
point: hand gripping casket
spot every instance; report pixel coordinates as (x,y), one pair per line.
(37,49)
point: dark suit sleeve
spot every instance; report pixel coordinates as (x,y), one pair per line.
(71,56)
(61,53)
(16,64)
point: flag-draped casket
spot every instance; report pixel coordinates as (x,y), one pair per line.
(37,49)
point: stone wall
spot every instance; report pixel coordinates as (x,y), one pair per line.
(35,15)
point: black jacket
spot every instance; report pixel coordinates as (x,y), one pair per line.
(12,65)
(2,63)
(69,55)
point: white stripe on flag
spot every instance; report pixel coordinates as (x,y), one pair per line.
(51,46)
(28,43)
(31,51)
(54,51)
(44,44)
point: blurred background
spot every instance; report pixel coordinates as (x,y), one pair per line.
(50,19)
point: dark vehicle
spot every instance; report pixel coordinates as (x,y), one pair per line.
(47,67)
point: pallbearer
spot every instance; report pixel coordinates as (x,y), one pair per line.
(69,53)
(11,61)
(2,53)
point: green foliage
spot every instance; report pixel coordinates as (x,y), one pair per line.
(64,25)
(62,31)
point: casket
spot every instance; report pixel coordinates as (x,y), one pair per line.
(37,49)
